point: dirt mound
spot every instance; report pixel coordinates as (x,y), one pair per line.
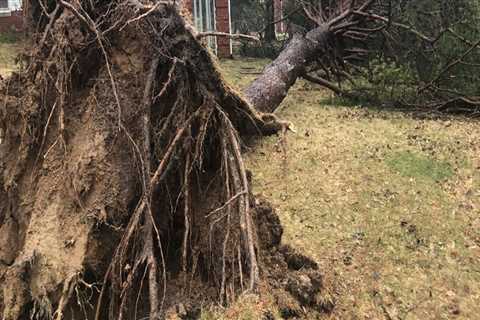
(123,189)
(294,278)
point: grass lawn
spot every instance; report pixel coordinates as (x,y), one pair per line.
(388,203)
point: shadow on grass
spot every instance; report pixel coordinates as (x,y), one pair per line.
(377,105)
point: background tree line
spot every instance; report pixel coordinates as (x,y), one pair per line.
(422,53)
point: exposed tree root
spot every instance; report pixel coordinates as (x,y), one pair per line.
(67,292)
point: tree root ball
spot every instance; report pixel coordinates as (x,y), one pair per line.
(123,189)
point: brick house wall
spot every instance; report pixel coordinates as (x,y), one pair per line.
(12,22)
(223,24)
(278,15)
(11,16)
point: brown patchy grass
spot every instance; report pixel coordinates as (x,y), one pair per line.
(387,202)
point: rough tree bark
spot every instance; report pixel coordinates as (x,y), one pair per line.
(268,91)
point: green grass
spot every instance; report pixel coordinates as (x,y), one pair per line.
(414,165)
(387,203)
(9,38)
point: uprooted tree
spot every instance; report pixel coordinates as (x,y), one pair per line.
(123,189)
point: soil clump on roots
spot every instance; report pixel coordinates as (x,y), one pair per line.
(123,191)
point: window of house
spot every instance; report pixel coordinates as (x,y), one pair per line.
(3,4)
(204,17)
(204,12)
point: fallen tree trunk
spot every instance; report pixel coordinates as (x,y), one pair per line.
(123,190)
(271,87)
(322,45)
